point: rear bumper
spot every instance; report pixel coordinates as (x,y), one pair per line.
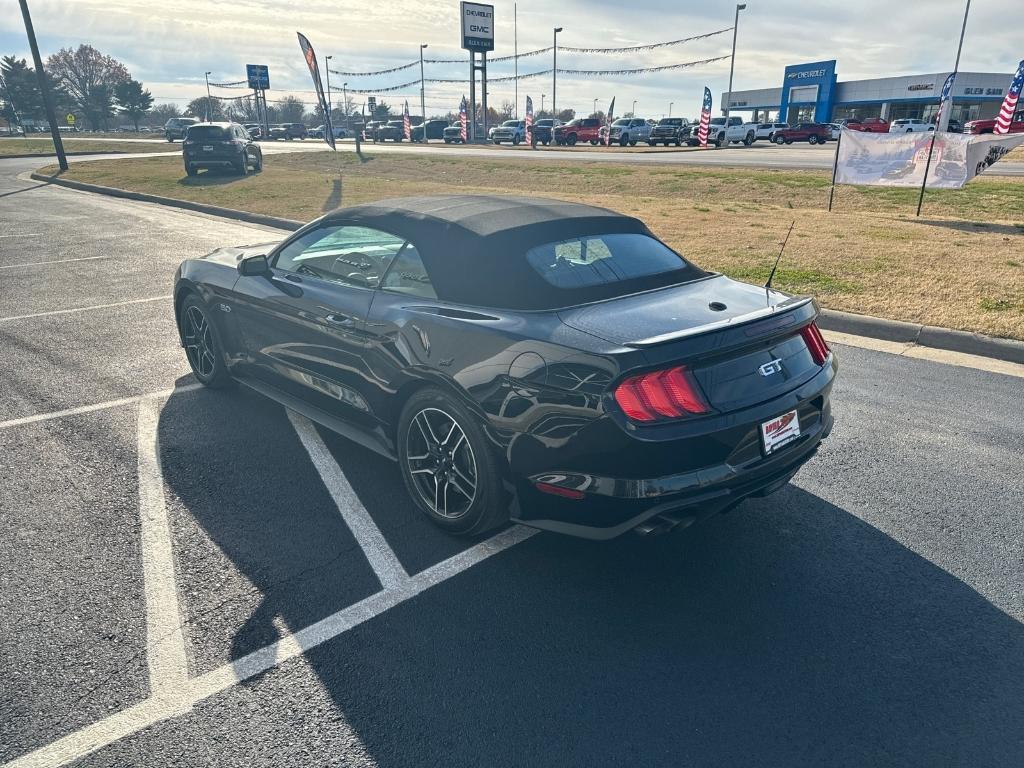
(613,505)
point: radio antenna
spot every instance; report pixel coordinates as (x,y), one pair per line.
(771,277)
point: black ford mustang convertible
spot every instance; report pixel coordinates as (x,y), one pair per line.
(530,359)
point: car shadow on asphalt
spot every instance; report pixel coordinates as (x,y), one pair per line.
(786,633)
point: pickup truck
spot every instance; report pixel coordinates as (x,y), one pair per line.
(670,129)
(580,129)
(630,130)
(988,126)
(812,133)
(735,133)
(513,131)
(544,128)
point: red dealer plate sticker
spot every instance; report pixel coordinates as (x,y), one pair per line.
(780,431)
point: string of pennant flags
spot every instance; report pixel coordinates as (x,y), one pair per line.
(537,52)
(544,72)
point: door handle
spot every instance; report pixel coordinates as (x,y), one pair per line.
(336,319)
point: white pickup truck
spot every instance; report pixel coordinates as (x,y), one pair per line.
(737,132)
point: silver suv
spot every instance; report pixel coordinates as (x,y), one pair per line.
(175,127)
(511,130)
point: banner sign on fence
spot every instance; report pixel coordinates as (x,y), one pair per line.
(899,159)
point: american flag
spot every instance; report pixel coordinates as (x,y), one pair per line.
(947,88)
(462,120)
(406,125)
(1006,112)
(529,120)
(705,118)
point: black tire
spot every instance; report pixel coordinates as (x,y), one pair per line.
(632,143)
(623,140)
(909,130)
(545,143)
(243,166)
(423,451)
(789,141)
(780,140)
(812,139)
(190,169)
(259,163)
(721,140)
(594,142)
(206,356)
(678,143)
(515,140)
(571,140)
(748,140)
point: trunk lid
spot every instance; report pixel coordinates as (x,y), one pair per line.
(741,343)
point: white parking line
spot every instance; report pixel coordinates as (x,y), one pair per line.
(85,309)
(55,261)
(77,745)
(382,558)
(95,407)
(165,640)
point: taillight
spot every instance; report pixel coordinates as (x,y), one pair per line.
(815,343)
(669,394)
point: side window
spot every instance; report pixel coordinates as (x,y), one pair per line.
(355,256)
(408,275)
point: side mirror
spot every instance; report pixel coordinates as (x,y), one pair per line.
(253,266)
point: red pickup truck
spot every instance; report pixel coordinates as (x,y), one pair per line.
(988,126)
(812,133)
(580,129)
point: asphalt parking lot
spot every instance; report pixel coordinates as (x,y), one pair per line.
(190,577)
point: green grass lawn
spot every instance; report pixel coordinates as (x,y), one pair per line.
(44,146)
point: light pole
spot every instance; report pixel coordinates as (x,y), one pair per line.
(344,103)
(44,87)
(209,100)
(670,108)
(327,70)
(634,108)
(594,111)
(554,72)
(732,60)
(423,102)
(542,102)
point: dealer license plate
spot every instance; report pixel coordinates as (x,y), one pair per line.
(780,431)
(207,148)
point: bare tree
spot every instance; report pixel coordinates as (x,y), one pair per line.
(241,110)
(89,78)
(206,108)
(508,108)
(291,109)
(161,113)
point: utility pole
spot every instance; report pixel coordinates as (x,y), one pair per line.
(209,100)
(330,108)
(344,104)
(634,108)
(44,88)
(423,100)
(732,60)
(554,73)
(515,56)
(594,111)
(670,104)
(542,102)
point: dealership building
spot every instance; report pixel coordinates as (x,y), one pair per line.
(812,93)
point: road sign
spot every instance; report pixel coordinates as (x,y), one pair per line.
(477,26)
(371,104)
(70,118)
(259,76)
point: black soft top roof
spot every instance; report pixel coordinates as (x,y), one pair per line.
(474,246)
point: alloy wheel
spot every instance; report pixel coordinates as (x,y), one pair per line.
(198,342)
(441,463)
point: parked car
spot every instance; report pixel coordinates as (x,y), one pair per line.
(220,145)
(988,126)
(670,130)
(910,125)
(630,130)
(371,128)
(320,131)
(255,130)
(866,125)
(433,128)
(954,126)
(767,130)
(545,128)
(513,131)
(835,130)
(737,132)
(453,133)
(579,129)
(393,130)
(175,127)
(520,358)
(812,133)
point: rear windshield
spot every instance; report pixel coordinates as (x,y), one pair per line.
(601,260)
(670,121)
(207,132)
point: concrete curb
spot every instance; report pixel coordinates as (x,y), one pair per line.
(68,154)
(831,320)
(212,210)
(923,335)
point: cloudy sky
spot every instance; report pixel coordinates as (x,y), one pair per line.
(169,45)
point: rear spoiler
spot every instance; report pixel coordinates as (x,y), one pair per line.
(758,314)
